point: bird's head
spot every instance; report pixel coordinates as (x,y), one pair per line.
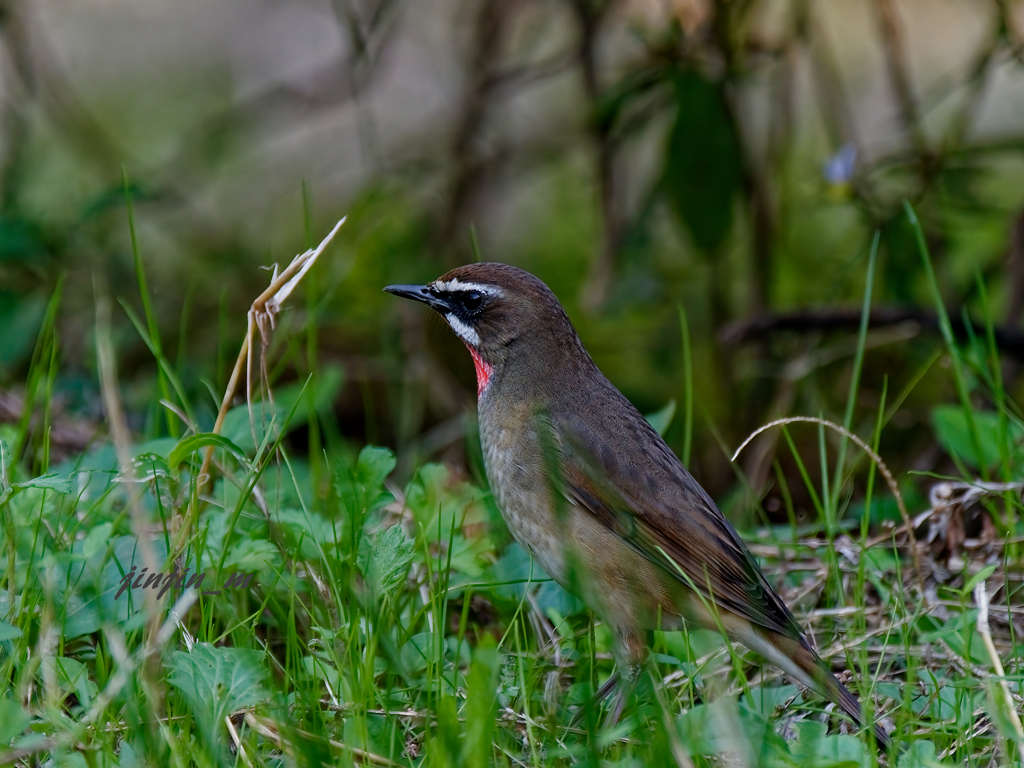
(494,308)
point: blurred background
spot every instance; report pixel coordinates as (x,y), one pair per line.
(734,158)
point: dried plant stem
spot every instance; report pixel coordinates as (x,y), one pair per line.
(263,310)
(269,730)
(907,523)
(120,435)
(267,303)
(981,598)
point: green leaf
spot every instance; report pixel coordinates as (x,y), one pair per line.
(950,424)
(97,539)
(8,631)
(315,533)
(921,754)
(814,747)
(238,430)
(705,727)
(959,632)
(193,444)
(416,653)
(217,681)
(388,564)
(361,488)
(374,465)
(72,675)
(13,720)
(977,578)
(703,167)
(51,481)
(252,555)
(662,418)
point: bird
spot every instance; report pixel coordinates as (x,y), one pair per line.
(596,496)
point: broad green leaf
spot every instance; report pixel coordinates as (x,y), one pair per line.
(97,539)
(374,466)
(388,563)
(8,632)
(705,728)
(217,681)
(416,653)
(310,529)
(815,748)
(361,488)
(51,481)
(71,675)
(444,743)
(960,633)
(702,169)
(85,588)
(237,427)
(13,720)
(953,434)
(765,699)
(920,754)
(440,505)
(251,555)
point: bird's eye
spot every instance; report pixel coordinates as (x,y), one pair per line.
(472,301)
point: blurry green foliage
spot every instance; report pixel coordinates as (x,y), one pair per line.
(993,435)
(217,682)
(703,164)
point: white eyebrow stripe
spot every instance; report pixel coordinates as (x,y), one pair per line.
(463,331)
(457,285)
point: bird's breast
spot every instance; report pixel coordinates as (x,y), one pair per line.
(576,550)
(515,470)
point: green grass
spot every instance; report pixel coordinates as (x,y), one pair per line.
(398,626)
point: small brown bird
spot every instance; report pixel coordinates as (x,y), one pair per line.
(594,493)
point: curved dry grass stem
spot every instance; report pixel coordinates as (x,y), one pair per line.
(907,523)
(262,312)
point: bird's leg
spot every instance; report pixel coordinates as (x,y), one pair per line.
(602,693)
(605,690)
(622,686)
(625,687)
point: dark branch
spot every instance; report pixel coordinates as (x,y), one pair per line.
(1009,340)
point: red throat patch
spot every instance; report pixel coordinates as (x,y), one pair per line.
(483,371)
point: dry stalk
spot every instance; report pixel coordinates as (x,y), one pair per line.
(239,747)
(268,730)
(260,317)
(981,598)
(120,435)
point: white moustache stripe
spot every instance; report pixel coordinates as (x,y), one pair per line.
(457,285)
(464,332)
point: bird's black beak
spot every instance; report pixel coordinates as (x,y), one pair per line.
(419,293)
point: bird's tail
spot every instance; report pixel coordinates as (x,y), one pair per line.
(799,660)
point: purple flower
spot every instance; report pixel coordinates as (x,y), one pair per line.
(838,169)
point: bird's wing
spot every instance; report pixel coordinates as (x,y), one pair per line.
(644,495)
